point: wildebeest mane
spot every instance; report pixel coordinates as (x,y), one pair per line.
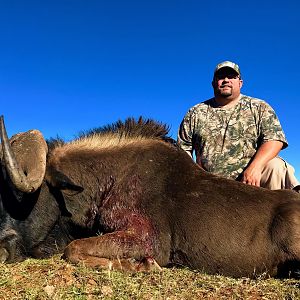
(54,142)
(130,128)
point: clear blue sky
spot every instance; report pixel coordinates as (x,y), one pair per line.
(69,65)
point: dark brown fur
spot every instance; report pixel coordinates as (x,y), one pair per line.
(150,202)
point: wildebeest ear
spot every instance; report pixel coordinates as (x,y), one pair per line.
(62,182)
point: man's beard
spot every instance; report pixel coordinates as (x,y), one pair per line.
(225,93)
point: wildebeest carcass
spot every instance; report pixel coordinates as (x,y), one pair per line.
(126,197)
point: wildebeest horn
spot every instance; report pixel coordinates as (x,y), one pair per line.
(26,173)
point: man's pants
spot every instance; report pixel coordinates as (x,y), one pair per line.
(278,174)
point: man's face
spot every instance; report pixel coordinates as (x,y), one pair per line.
(227,83)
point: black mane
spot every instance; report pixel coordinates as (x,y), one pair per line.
(131,128)
(147,128)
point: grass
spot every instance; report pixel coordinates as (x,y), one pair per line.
(55,279)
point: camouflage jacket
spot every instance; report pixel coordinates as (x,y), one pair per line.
(225,140)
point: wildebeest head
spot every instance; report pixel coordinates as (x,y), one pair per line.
(25,196)
(23,163)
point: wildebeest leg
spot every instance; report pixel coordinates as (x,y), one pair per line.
(125,264)
(124,250)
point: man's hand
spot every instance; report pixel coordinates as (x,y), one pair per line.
(265,153)
(252,176)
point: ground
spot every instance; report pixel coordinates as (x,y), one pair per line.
(55,279)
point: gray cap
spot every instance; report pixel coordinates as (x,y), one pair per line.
(228,64)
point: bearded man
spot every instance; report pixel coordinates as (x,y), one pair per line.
(237,136)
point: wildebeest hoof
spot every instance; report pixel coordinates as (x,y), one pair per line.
(3,255)
(149,264)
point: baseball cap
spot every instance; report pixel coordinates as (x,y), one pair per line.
(228,64)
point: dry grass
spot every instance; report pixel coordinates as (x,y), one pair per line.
(56,279)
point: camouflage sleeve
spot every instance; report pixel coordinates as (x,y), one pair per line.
(271,129)
(185,132)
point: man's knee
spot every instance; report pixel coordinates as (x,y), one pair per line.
(276,165)
(278,174)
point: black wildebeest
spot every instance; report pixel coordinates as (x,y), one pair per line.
(126,197)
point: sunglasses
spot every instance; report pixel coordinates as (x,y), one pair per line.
(226,75)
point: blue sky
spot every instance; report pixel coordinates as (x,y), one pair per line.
(70,65)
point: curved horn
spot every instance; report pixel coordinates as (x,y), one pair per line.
(35,174)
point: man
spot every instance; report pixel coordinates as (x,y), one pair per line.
(237,136)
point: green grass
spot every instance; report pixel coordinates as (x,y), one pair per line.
(55,279)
